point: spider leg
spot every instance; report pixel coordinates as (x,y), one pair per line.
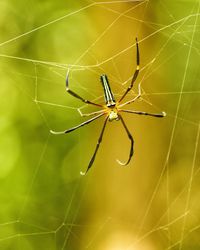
(78,126)
(90,114)
(162,114)
(135,75)
(132,143)
(97,147)
(134,99)
(78,96)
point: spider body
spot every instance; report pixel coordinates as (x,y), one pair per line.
(108,95)
(113,115)
(111,110)
(110,107)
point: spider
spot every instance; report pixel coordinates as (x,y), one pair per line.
(112,110)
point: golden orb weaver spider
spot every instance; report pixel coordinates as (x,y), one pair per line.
(111,110)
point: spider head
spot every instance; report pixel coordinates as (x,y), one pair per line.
(113,115)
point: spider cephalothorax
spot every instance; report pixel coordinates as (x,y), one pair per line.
(113,114)
(111,109)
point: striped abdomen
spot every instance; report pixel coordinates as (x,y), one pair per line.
(109,97)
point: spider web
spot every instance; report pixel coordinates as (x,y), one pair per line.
(151,204)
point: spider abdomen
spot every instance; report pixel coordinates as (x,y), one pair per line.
(108,95)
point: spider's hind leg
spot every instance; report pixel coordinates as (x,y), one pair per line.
(78,96)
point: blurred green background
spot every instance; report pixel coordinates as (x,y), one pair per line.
(151,204)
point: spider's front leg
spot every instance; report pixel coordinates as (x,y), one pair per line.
(132,143)
(97,147)
(76,127)
(81,125)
